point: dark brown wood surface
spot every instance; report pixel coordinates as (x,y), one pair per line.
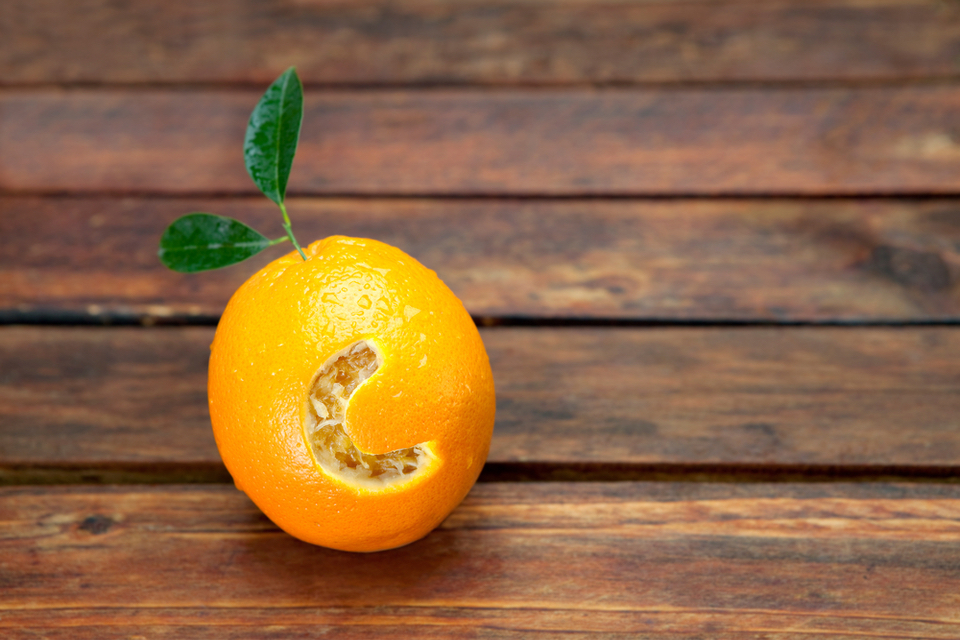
(504,41)
(664,560)
(714,245)
(706,260)
(855,141)
(128,403)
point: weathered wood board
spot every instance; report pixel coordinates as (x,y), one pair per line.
(515,560)
(94,258)
(562,142)
(130,403)
(478,42)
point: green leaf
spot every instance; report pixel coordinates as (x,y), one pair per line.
(202,241)
(272,135)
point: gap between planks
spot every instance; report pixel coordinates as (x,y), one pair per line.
(214,473)
(64,318)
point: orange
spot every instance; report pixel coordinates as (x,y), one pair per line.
(350,394)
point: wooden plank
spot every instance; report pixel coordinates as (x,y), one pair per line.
(130,404)
(548,142)
(727,260)
(421,41)
(515,560)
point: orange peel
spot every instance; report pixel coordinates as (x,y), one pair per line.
(350,395)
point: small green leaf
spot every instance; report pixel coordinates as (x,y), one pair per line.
(202,241)
(272,135)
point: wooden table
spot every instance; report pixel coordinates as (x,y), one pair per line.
(713,248)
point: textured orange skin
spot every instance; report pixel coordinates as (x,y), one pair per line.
(434,385)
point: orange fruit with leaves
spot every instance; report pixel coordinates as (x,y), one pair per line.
(350,394)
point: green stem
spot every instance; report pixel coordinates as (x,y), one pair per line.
(279,240)
(286,225)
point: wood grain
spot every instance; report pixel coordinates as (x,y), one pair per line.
(515,560)
(507,142)
(129,404)
(87,259)
(444,42)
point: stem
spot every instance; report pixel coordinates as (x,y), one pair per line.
(278,240)
(286,225)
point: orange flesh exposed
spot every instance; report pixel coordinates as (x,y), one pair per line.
(331,446)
